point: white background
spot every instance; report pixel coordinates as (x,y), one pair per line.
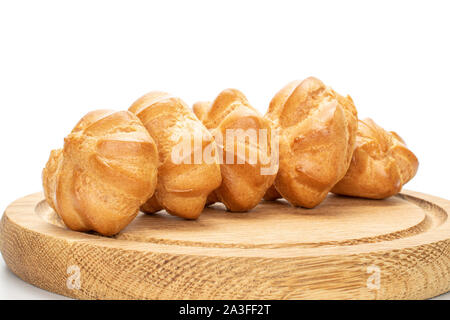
(59,60)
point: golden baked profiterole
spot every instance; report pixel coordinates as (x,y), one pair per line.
(243,132)
(185,179)
(272,194)
(381,164)
(105,172)
(317,137)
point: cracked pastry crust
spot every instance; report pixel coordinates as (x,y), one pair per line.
(244,182)
(380,166)
(183,186)
(317,137)
(105,172)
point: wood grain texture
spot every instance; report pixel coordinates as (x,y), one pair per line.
(273,252)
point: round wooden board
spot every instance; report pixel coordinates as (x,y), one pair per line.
(346,248)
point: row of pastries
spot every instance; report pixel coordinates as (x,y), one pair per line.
(115,163)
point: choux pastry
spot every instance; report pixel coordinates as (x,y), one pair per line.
(105,172)
(317,137)
(272,194)
(381,164)
(185,179)
(244,179)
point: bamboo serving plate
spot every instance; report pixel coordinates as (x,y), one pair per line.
(346,248)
